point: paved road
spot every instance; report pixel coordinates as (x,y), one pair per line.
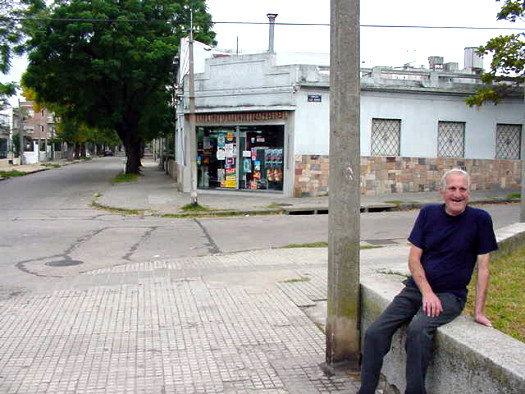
(49,224)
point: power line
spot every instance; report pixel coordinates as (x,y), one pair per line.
(94,20)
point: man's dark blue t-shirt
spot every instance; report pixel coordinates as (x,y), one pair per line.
(451,245)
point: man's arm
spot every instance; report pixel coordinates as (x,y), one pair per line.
(482,286)
(431,303)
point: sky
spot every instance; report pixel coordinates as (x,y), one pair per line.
(379,46)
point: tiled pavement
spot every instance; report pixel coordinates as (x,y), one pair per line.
(216,324)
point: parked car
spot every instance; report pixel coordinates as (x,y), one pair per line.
(108,152)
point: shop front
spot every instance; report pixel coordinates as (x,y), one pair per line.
(234,157)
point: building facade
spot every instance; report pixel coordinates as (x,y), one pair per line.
(262,125)
(38,130)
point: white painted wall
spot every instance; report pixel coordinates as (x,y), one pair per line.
(420,114)
(246,81)
(312,123)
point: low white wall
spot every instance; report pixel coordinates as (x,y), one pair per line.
(469,358)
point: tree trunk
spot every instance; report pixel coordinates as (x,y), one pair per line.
(128,133)
(77,150)
(133,162)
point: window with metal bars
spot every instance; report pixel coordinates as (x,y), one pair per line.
(508,141)
(451,139)
(386,135)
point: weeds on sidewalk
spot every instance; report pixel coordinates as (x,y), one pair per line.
(296,280)
(121,211)
(54,165)
(195,208)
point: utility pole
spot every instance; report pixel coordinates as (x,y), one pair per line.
(522,157)
(192,131)
(20,136)
(343,321)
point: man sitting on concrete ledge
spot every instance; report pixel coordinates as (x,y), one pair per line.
(447,241)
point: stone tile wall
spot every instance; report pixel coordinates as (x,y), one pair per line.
(385,175)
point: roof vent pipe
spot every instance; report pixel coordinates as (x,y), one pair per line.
(271,17)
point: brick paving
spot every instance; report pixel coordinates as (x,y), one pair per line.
(191,325)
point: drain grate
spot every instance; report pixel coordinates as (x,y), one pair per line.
(64,263)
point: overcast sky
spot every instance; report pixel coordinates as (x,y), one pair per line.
(379,46)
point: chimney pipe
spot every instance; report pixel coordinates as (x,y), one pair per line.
(271,17)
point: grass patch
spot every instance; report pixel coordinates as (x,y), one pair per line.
(11,174)
(322,244)
(395,202)
(505,305)
(85,158)
(277,205)
(121,178)
(195,208)
(120,211)
(514,196)
(54,165)
(390,272)
(296,280)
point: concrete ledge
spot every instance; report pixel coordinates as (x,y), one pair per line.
(469,358)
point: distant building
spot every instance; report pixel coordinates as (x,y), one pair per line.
(5,132)
(38,128)
(264,125)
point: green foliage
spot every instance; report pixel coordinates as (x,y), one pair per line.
(16,144)
(507,68)
(514,196)
(109,64)
(10,36)
(194,208)
(11,174)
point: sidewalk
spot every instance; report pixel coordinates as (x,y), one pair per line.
(155,193)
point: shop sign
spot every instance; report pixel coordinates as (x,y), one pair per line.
(235,117)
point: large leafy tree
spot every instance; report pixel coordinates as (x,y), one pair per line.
(10,36)
(507,69)
(110,62)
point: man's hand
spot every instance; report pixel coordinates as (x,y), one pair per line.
(481,319)
(432,305)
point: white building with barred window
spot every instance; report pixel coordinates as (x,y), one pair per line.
(262,124)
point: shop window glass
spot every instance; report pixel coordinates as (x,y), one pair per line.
(243,157)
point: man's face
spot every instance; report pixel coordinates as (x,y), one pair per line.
(456,194)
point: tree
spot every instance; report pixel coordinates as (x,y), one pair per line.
(10,36)
(507,69)
(110,63)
